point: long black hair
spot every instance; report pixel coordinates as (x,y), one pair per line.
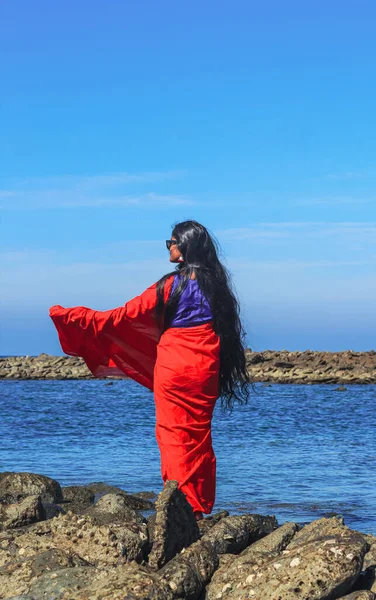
(199,252)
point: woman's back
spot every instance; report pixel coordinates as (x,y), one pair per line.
(193,307)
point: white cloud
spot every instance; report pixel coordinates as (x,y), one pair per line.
(333,200)
(89,283)
(292,264)
(269,231)
(89,191)
(348,175)
(345,176)
(93,181)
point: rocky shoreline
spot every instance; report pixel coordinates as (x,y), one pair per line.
(309,367)
(93,542)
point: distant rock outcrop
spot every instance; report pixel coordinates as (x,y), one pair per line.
(343,368)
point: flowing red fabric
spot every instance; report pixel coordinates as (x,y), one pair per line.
(181,366)
(114,342)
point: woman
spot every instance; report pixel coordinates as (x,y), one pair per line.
(181,338)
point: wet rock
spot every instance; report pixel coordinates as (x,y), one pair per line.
(175,526)
(232,534)
(16,486)
(256,554)
(29,510)
(341,388)
(321,569)
(191,570)
(114,508)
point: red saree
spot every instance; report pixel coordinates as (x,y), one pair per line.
(181,366)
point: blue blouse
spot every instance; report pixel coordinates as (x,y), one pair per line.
(193,308)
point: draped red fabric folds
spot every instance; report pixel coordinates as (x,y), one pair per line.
(181,366)
(185,391)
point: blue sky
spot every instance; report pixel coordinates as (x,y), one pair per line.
(257,119)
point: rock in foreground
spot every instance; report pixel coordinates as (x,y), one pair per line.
(107,551)
(175,526)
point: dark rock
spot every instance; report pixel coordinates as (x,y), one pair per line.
(367,580)
(16,486)
(150,527)
(53,510)
(79,494)
(113,508)
(77,499)
(134,502)
(27,511)
(146,495)
(255,358)
(191,570)
(54,559)
(209,522)
(361,595)
(61,584)
(232,534)
(341,388)
(175,526)
(283,365)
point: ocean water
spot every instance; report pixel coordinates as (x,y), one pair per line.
(296,451)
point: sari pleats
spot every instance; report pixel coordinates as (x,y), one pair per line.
(186,378)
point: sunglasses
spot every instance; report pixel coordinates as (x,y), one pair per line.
(170,243)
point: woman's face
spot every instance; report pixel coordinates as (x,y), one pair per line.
(174,252)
